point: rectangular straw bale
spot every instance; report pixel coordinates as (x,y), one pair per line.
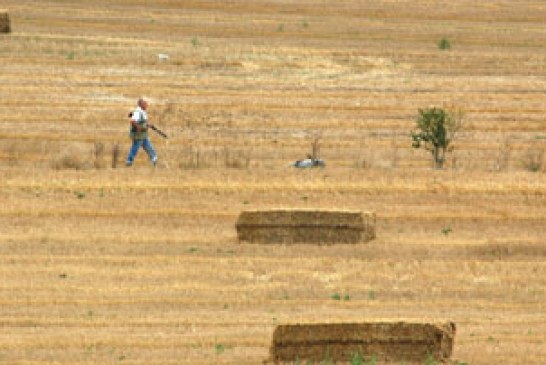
(397,342)
(311,226)
(5,26)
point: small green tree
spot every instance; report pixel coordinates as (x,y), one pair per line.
(436,130)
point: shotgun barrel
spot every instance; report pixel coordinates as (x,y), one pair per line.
(160,132)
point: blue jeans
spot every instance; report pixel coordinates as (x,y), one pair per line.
(144,143)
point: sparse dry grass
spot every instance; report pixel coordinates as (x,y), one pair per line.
(143,266)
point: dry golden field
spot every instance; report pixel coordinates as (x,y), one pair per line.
(142,265)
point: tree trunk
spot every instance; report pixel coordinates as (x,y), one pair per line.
(439,157)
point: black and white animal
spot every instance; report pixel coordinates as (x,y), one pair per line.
(309,162)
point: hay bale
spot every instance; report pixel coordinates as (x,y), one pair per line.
(388,342)
(5,26)
(305,226)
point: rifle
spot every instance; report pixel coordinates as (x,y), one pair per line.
(158,131)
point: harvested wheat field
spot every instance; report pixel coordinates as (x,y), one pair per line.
(142,265)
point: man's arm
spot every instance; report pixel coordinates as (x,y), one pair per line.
(137,126)
(135,117)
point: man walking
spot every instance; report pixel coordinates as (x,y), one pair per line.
(139,133)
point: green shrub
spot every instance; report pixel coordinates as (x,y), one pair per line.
(446,230)
(219,348)
(444,44)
